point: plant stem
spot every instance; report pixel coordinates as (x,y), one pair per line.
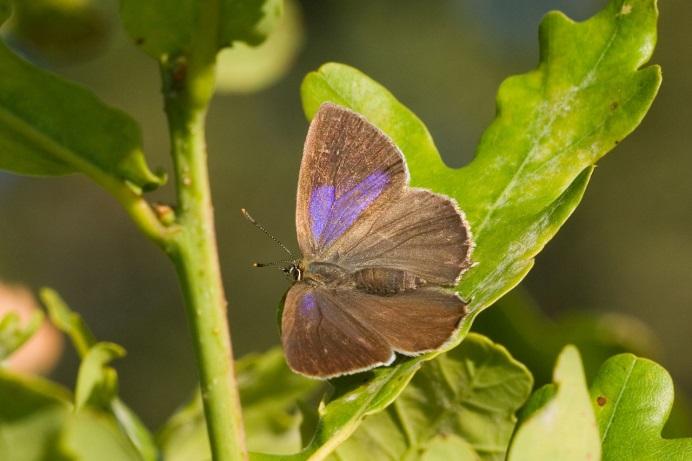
(142,214)
(187,90)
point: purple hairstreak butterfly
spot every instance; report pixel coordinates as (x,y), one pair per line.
(379,258)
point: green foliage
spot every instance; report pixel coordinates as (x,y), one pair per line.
(516,321)
(50,127)
(38,419)
(246,69)
(463,400)
(561,424)
(130,424)
(184,437)
(248,21)
(621,417)
(68,321)
(529,174)
(632,398)
(167,28)
(91,435)
(13,334)
(533,162)
(553,123)
(31,417)
(270,394)
(97,383)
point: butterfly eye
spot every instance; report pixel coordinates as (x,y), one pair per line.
(295,272)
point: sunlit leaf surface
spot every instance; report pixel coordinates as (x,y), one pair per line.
(562,424)
(167,27)
(530,170)
(50,127)
(632,398)
(463,401)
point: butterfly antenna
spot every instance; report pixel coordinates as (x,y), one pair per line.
(279,264)
(254,222)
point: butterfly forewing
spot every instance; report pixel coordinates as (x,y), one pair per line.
(422,233)
(349,170)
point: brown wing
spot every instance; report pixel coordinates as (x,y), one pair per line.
(411,322)
(321,340)
(350,169)
(331,332)
(421,233)
(354,207)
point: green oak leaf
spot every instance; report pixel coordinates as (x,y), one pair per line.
(14,333)
(96,382)
(561,424)
(552,124)
(530,171)
(32,415)
(68,321)
(248,21)
(184,436)
(464,399)
(52,127)
(516,321)
(90,435)
(164,28)
(269,393)
(361,395)
(632,398)
(39,422)
(248,69)
(130,424)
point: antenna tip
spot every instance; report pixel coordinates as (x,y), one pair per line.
(247,216)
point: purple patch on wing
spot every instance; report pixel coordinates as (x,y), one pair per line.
(321,202)
(307,304)
(330,216)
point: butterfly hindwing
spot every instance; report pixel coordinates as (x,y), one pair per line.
(322,340)
(329,332)
(410,322)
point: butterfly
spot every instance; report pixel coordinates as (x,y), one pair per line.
(380,258)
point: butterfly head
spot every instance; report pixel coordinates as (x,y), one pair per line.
(294,271)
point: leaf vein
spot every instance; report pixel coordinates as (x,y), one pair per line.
(545,131)
(617,401)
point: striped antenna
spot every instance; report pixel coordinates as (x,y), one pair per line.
(254,222)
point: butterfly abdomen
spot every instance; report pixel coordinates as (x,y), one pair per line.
(384,281)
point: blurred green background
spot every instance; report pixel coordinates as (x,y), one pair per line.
(626,250)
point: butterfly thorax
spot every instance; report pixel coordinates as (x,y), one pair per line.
(375,280)
(324,273)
